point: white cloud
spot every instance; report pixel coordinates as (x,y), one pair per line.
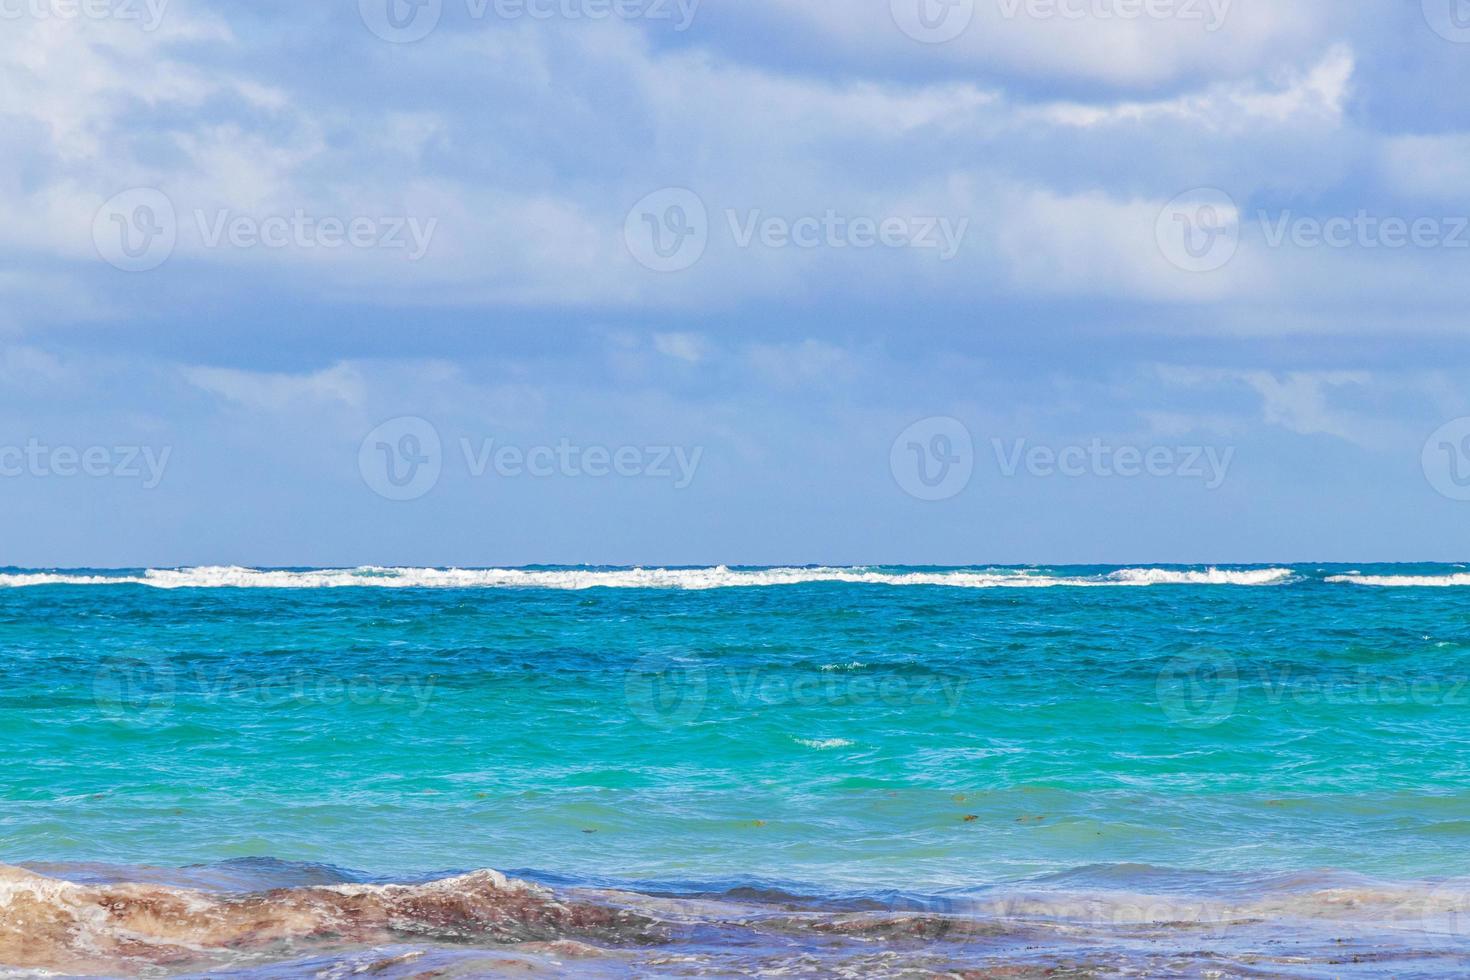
(1300,401)
(1099,245)
(1077,39)
(802,365)
(32,369)
(73,76)
(275,392)
(686,347)
(1061,196)
(1316,95)
(1347,405)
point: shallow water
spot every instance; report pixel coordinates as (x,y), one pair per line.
(272,919)
(1176,770)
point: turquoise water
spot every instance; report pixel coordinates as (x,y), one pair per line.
(874,735)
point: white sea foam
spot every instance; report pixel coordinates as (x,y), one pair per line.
(1404,581)
(718,577)
(1208,576)
(824,743)
(49,578)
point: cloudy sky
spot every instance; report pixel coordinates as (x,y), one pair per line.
(491,282)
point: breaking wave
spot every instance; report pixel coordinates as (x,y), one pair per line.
(718,577)
(149,921)
(51,924)
(1404,581)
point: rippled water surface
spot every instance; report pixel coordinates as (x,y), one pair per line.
(1261,771)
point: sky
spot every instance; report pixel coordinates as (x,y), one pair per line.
(505,282)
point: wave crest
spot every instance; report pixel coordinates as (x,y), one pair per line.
(1208,576)
(1404,581)
(685,579)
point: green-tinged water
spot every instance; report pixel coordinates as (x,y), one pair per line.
(840,736)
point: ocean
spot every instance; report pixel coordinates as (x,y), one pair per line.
(886,771)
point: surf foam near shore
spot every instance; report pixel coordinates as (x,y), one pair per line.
(54,924)
(1103,921)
